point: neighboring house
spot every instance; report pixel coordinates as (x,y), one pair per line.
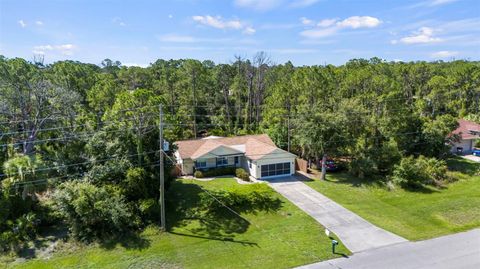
(467,132)
(257,154)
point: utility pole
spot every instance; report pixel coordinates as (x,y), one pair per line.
(162,176)
(288,132)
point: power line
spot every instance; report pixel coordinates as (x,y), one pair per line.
(66,127)
(77,164)
(44,181)
(84,135)
(70,116)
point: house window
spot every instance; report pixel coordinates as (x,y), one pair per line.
(250,164)
(222,161)
(200,164)
(236,159)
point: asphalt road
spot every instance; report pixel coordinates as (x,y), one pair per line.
(457,251)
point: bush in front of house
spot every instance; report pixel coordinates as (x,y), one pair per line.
(422,170)
(219,171)
(242,174)
(198,174)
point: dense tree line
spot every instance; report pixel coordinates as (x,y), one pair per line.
(71,120)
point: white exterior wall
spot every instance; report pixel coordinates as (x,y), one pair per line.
(187,166)
(251,167)
(278,156)
(466,144)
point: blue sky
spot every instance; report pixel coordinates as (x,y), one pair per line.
(305,32)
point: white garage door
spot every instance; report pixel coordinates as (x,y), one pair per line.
(276,169)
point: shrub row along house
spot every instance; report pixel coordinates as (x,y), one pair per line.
(257,154)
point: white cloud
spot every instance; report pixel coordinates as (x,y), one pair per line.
(319,33)
(444,54)
(65,49)
(261,5)
(22,23)
(118,21)
(360,22)
(306,21)
(39,23)
(249,31)
(326,22)
(220,23)
(328,27)
(170,16)
(423,35)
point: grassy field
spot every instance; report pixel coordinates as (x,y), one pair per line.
(415,215)
(277,237)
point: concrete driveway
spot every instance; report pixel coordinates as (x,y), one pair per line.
(472,158)
(459,251)
(356,233)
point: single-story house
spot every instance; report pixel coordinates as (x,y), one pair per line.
(467,132)
(257,154)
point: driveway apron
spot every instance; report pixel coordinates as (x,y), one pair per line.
(355,232)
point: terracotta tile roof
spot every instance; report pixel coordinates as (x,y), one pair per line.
(256,146)
(464,127)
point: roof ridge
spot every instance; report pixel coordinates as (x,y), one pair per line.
(221,138)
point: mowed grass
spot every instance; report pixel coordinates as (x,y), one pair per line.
(280,238)
(415,215)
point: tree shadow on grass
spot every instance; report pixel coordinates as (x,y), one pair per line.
(47,237)
(128,240)
(420,188)
(462,165)
(186,207)
(345,178)
(223,239)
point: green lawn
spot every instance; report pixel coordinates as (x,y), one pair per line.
(415,215)
(281,238)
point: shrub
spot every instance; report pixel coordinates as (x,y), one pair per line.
(220,171)
(242,174)
(134,185)
(149,209)
(362,167)
(422,170)
(92,211)
(214,172)
(18,232)
(198,174)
